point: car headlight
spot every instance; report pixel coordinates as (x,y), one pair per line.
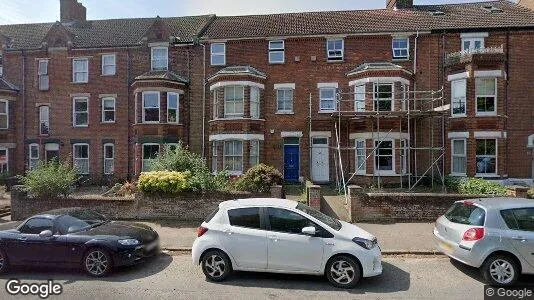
(129,242)
(364,243)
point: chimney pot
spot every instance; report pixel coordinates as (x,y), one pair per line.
(72,10)
(392,4)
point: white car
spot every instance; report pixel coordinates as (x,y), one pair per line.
(282,236)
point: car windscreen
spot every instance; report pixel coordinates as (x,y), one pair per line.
(331,222)
(466,213)
(77,220)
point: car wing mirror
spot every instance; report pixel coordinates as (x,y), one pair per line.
(310,230)
(46,234)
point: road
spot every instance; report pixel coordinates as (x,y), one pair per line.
(175,277)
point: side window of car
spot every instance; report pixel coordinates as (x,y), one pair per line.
(509,219)
(37,225)
(519,219)
(282,220)
(245,217)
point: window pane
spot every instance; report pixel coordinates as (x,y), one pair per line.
(109,104)
(81,151)
(282,220)
(245,217)
(173,100)
(108,151)
(3,107)
(151,100)
(458,146)
(462,213)
(485,86)
(37,225)
(150,151)
(524,218)
(276,56)
(276,45)
(327,93)
(80,105)
(217,48)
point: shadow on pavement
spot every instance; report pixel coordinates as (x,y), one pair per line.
(148,268)
(392,280)
(475,273)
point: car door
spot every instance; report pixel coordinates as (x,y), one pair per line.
(521,233)
(32,248)
(288,248)
(245,239)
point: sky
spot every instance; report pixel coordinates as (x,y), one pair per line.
(36,11)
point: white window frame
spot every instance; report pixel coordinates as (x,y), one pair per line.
(235,102)
(254,153)
(214,157)
(273,49)
(285,100)
(153,59)
(42,73)
(107,160)
(233,155)
(6,169)
(377,154)
(75,113)
(218,54)
(216,104)
(376,92)
(33,162)
(407,49)
(403,156)
(472,41)
(5,114)
(405,97)
(75,159)
(104,110)
(321,99)
(254,101)
(463,155)
(357,149)
(44,121)
(85,70)
(177,121)
(496,156)
(104,65)
(359,98)
(143,107)
(494,96)
(454,85)
(149,160)
(331,53)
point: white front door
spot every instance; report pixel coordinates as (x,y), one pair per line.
(320,167)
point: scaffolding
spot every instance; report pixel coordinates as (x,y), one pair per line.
(417,113)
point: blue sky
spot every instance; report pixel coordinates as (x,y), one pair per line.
(34,11)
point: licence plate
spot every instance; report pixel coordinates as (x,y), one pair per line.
(446,247)
(152,245)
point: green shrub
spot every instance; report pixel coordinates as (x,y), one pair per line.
(164,182)
(180,159)
(530,193)
(478,186)
(452,184)
(259,178)
(50,179)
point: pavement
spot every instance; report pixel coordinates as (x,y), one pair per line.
(176,277)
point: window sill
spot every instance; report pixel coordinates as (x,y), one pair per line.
(387,174)
(400,59)
(218,65)
(326,111)
(236,119)
(459,117)
(80,82)
(458,174)
(335,61)
(478,175)
(80,126)
(235,173)
(485,115)
(284,113)
(108,122)
(277,63)
(108,75)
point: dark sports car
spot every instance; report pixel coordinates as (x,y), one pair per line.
(77,237)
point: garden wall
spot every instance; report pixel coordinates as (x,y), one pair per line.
(388,207)
(183,207)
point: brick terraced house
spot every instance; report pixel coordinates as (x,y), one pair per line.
(390,95)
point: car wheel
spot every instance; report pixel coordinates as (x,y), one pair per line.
(3,262)
(216,265)
(97,262)
(500,270)
(343,272)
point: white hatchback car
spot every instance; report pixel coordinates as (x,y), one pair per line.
(282,236)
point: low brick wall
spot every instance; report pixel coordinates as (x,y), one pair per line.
(184,207)
(387,207)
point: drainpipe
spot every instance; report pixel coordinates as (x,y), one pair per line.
(128,164)
(203,100)
(24,104)
(507,83)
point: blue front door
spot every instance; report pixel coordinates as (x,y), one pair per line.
(291,163)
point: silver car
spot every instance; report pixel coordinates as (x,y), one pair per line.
(495,235)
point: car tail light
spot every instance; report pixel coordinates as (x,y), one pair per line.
(201,230)
(473,234)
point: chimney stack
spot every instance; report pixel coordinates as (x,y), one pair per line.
(72,10)
(392,4)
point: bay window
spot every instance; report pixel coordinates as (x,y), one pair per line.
(254,102)
(150,154)
(383,96)
(233,101)
(4,114)
(359,98)
(33,161)
(486,96)
(214,158)
(458,98)
(254,153)
(360,156)
(151,107)
(384,159)
(486,156)
(233,157)
(173,108)
(4,160)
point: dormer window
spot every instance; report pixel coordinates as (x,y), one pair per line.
(160,58)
